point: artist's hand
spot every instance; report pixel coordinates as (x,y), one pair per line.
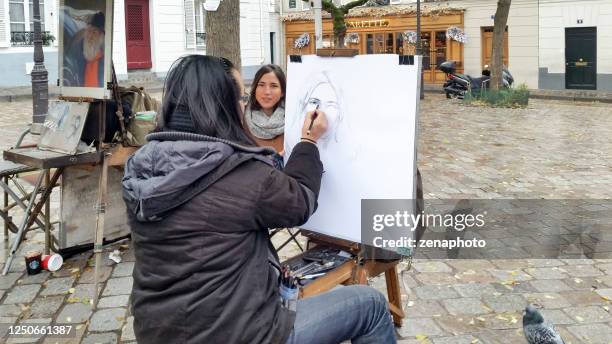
(315,125)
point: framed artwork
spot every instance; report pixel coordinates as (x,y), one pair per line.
(85,48)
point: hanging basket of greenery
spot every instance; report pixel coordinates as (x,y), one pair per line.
(456,34)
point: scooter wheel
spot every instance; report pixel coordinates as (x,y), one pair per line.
(448,95)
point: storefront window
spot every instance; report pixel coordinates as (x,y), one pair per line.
(370,43)
(380,43)
(440,47)
(426,42)
(389,47)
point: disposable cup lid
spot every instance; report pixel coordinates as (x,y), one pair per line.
(55,262)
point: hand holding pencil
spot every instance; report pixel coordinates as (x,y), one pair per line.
(315,125)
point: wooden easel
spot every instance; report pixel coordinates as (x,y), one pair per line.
(354,271)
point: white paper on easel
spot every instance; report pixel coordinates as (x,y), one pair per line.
(371,103)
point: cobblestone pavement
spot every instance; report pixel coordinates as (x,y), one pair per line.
(550,150)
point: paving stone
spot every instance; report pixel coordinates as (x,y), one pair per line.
(578,261)
(592,333)
(544,263)
(424,309)
(84,292)
(114,301)
(510,275)
(505,336)
(581,271)
(505,303)
(472,276)
(433,278)
(2,292)
(100,338)
(557,317)
(123,269)
(107,319)
(548,300)
(588,315)
(582,297)
(471,264)
(606,293)
(408,281)
(431,266)
(514,287)
(127,333)
(607,280)
(547,273)
(468,305)
(46,307)
(459,325)
(34,279)
(58,286)
(74,313)
(550,286)
(501,321)
(5,323)
(22,294)
(455,340)
(510,264)
(87,277)
(567,336)
(10,310)
(606,268)
(584,283)
(475,289)
(419,326)
(118,286)
(7,281)
(435,292)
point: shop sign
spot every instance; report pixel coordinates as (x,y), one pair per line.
(368,23)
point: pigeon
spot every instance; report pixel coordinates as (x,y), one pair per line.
(536,330)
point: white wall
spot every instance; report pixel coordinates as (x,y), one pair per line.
(119,43)
(556,15)
(522,37)
(254,32)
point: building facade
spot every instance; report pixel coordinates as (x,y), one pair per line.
(550,44)
(148,36)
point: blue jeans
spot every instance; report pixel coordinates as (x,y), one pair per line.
(357,312)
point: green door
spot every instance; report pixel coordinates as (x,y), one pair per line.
(581,58)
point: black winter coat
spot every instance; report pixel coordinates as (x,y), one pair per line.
(199,213)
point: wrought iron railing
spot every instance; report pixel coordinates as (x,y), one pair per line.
(26,38)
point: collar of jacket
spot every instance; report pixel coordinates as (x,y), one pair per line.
(185,136)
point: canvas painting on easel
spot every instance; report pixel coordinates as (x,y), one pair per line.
(63,126)
(85,48)
(369,151)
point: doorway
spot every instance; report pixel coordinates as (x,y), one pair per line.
(581,58)
(137,32)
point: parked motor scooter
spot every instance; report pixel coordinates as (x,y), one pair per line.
(457,85)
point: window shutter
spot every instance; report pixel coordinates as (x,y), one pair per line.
(190,37)
(5,31)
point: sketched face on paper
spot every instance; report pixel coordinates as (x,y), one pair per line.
(323,92)
(329,105)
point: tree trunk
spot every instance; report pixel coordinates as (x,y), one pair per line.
(497,55)
(223,32)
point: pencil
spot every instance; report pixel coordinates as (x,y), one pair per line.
(314,115)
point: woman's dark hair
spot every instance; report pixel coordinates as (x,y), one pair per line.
(270,68)
(202,96)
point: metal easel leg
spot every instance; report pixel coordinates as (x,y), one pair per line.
(6,203)
(47,215)
(99,235)
(24,223)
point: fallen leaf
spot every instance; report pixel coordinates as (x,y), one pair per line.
(410,303)
(75,270)
(579,318)
(606,298)
(481,319)
(71,290)
(120,318)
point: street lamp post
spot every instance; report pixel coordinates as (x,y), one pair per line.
(40,80)
(419,47)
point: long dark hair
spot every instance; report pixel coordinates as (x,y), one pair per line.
(260,73)
(204,88)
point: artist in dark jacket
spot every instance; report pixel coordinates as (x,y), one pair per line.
(200,198)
